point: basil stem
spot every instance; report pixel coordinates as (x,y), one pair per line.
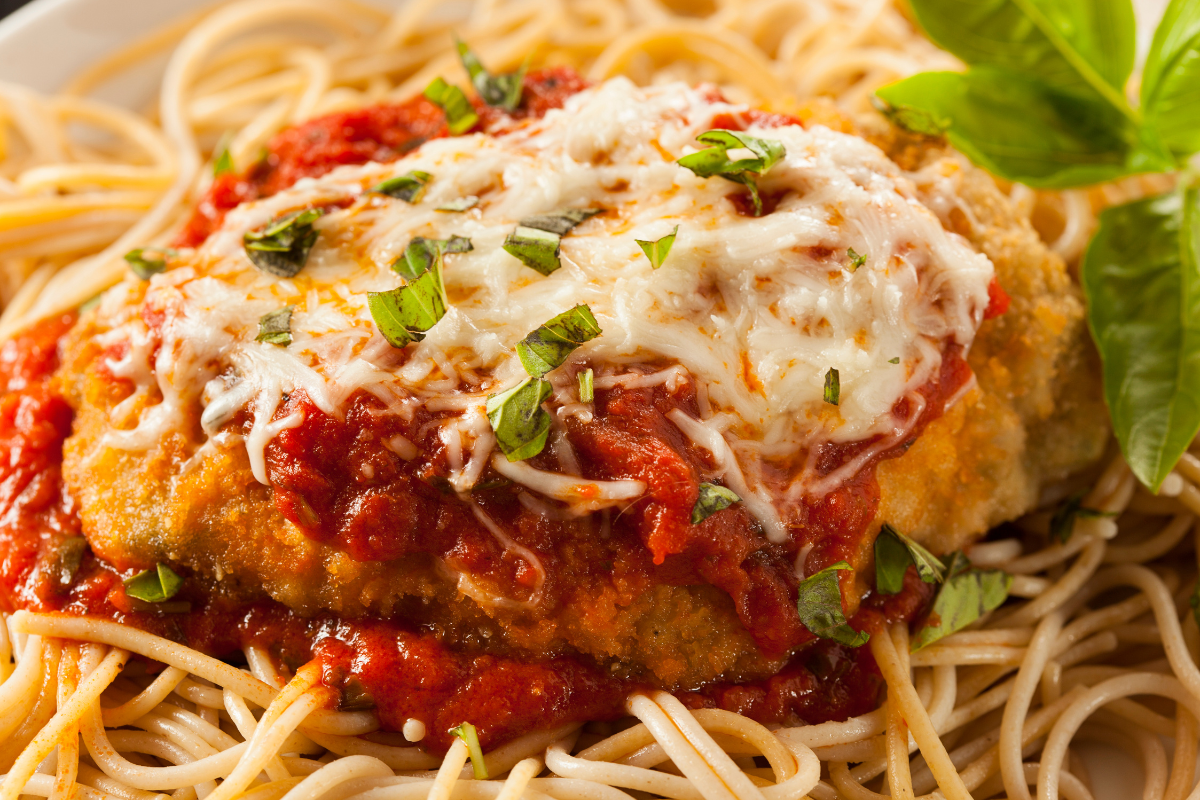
(466,732)
(856,259)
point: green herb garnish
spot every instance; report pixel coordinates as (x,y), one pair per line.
(154,585)
(833,387)
(423,255)
(560,222)
(466,732)
(518,419)
(223,159)
(281,247)
(409,187)
(146,262)
(276,327)
(856,260)
(894,552)
(966,595)
(587,391)
(657,250)
(498,91)
(460,115)
(459,205)
(895,360)
(1062,523)
(713,498)
(403,315)
(714,161)
(819,602)
(548,347)
(534,248)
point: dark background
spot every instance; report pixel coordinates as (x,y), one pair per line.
(9,6)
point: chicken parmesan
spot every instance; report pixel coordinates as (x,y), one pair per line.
(576,399)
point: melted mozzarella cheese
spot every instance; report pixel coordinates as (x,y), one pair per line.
(755,310)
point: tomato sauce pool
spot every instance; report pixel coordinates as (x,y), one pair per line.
(398,669)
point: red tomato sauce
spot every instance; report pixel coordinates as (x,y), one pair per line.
(316,469)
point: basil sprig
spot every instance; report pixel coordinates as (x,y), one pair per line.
(466,732)
(276,327)
(966,595)
(657,250)
(894,552)
(549,345)
(460,114)
(1043,103)
(819,601)
(713,498)
(409,187)
(146,262)
(715,161)
(154,585)
(517,417)
(1141,276)
(281,247)
(498,91)
(536,241)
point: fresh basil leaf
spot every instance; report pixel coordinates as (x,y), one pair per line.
(894,552)
(657,250)
(713,498)
(459,205)
(146,262)
(518,419)
(404,315)
(460,115)
(833,387)
(1141,277)
(714,161)
(548,347)
(535,248)
(276,327)
(587,390)
(856,260)
(423,254)
(1171,79)
(281,248)
(467,733)
(819,601)
(1021,129)
(913,120)
(895,360)
(409,187)
(966,595)
(560,222)
(1078,45)
(498,91)
(154,585)
(223,159)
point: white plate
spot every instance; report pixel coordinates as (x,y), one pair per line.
(47,42)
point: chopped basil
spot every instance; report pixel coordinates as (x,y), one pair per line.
(1062,523)
(833,387)
(714,161)
(819,602)
(535,248)
(498,91)
(518,419)
(587,391)
(146,262)
(966,595)
(713,498)
(404,315)
(895,360)
(461,204)
(223,159)
(154,585)
(658,249)
(68,557)
(409,187)
(276,327)
(460,116)
(423,254)
(281,247)
(856,260)
(562,221)
(466,732)
(548,347)
(894,552)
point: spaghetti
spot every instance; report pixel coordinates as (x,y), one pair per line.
(990,711)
